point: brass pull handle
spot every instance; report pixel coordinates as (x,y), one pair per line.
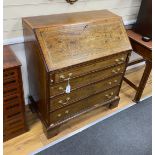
(67,111)
(59,115)
(51,80)
(117,60)
(109,95)
(61,88)
(60,101)
(114,71)
(118,69)
(115,81)
(122,58)
(109,82)
(64,103)
(70,74)
(62,77)
(68,98)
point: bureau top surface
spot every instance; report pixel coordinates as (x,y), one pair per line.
(9,58)
(74,38)
(67,18)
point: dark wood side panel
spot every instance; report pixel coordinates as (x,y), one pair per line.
(14,121)
(37,73)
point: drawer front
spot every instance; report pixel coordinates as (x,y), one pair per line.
(10,77)
(66,99)
(87,79)
(85,69)
(82,105)
(11,84)
(15,123)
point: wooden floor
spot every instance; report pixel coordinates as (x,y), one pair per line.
(35,138)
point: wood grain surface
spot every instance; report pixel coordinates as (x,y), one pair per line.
(35,138)
(76,42)
(75,50)
(9,58)
(13,102)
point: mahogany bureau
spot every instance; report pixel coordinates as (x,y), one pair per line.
(13,101)
(76,63)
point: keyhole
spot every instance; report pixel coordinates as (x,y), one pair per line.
(85,27)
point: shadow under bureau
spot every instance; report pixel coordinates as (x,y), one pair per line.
(75,62)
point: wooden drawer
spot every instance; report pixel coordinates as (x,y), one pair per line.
(8,94)
(14,123)
(10,77)
(13,102)
(12,113)
(82,105)
(85,69)
(87,79)
(66,99)
(13,131)
(12,108)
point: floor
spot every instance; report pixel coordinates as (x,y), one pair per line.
(35,138)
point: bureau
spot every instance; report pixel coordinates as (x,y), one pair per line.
(13,101)
(75,62)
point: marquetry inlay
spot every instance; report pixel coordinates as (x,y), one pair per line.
(78,43)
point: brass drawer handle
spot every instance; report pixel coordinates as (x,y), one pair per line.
(67,111)
(64,103)
(62,77)
(70,74)
(59,115)
(115,81)
(109,82)
(68,98)
(61,88)
(51,80)
(60,101)
(116,70)
(122,58)
(117,60)
(109,95)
